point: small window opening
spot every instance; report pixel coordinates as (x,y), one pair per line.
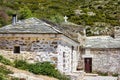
(17,49)
(72,48)
(63,54)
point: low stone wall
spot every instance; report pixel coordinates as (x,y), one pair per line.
(106,60)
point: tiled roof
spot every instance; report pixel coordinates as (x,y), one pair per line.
(102,42)
(31,25)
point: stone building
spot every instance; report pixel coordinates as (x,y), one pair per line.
(44,40)
(102,53)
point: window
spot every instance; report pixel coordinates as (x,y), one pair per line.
(63,54)
(16,49)
(72,48)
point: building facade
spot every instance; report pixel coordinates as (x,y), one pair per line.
(102,54)
(42,40)
(46,43)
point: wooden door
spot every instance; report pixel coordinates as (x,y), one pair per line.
(88,65)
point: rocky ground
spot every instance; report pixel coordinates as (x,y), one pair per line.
(100,78)
(88,76)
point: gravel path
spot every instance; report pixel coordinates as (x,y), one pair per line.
(100,78)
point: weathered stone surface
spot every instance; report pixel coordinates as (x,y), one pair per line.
(42,47)
(100,78)
(119,77)
(106,60)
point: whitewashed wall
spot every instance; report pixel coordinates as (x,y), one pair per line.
(68,57)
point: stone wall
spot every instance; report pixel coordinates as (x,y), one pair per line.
(56,48)
(68,55)
(44,46)
(106,60)
(40,43)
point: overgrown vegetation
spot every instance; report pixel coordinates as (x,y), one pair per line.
(4,73)
(100,13)
(21,64)
(5,61)
(115,75)
(44,68)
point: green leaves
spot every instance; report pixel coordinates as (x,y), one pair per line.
(44,68)
(4,73)
(21,64)
(4,60)
(106,11)
(25,12)
(57,18)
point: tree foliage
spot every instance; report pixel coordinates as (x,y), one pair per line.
(25,12)
(106,11)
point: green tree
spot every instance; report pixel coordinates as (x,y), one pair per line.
(57,18)
(25,12)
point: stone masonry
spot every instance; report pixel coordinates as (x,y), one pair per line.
(106,60)
(56,48)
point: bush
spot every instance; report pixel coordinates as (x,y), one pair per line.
(4,60)
(15,78)
(21,64)
(44,68)
(115,75)
(2,77)
(4,70)
(4,73)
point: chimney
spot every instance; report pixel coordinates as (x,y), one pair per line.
(14,19)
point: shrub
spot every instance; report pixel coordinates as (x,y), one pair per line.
(4,60)
(4,73)
(2,77)
(21,64)
(15,78)
(115,75)
(4,70)
(44,68)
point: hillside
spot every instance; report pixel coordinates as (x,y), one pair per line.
(100,16)
(11,73)
(17,69)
